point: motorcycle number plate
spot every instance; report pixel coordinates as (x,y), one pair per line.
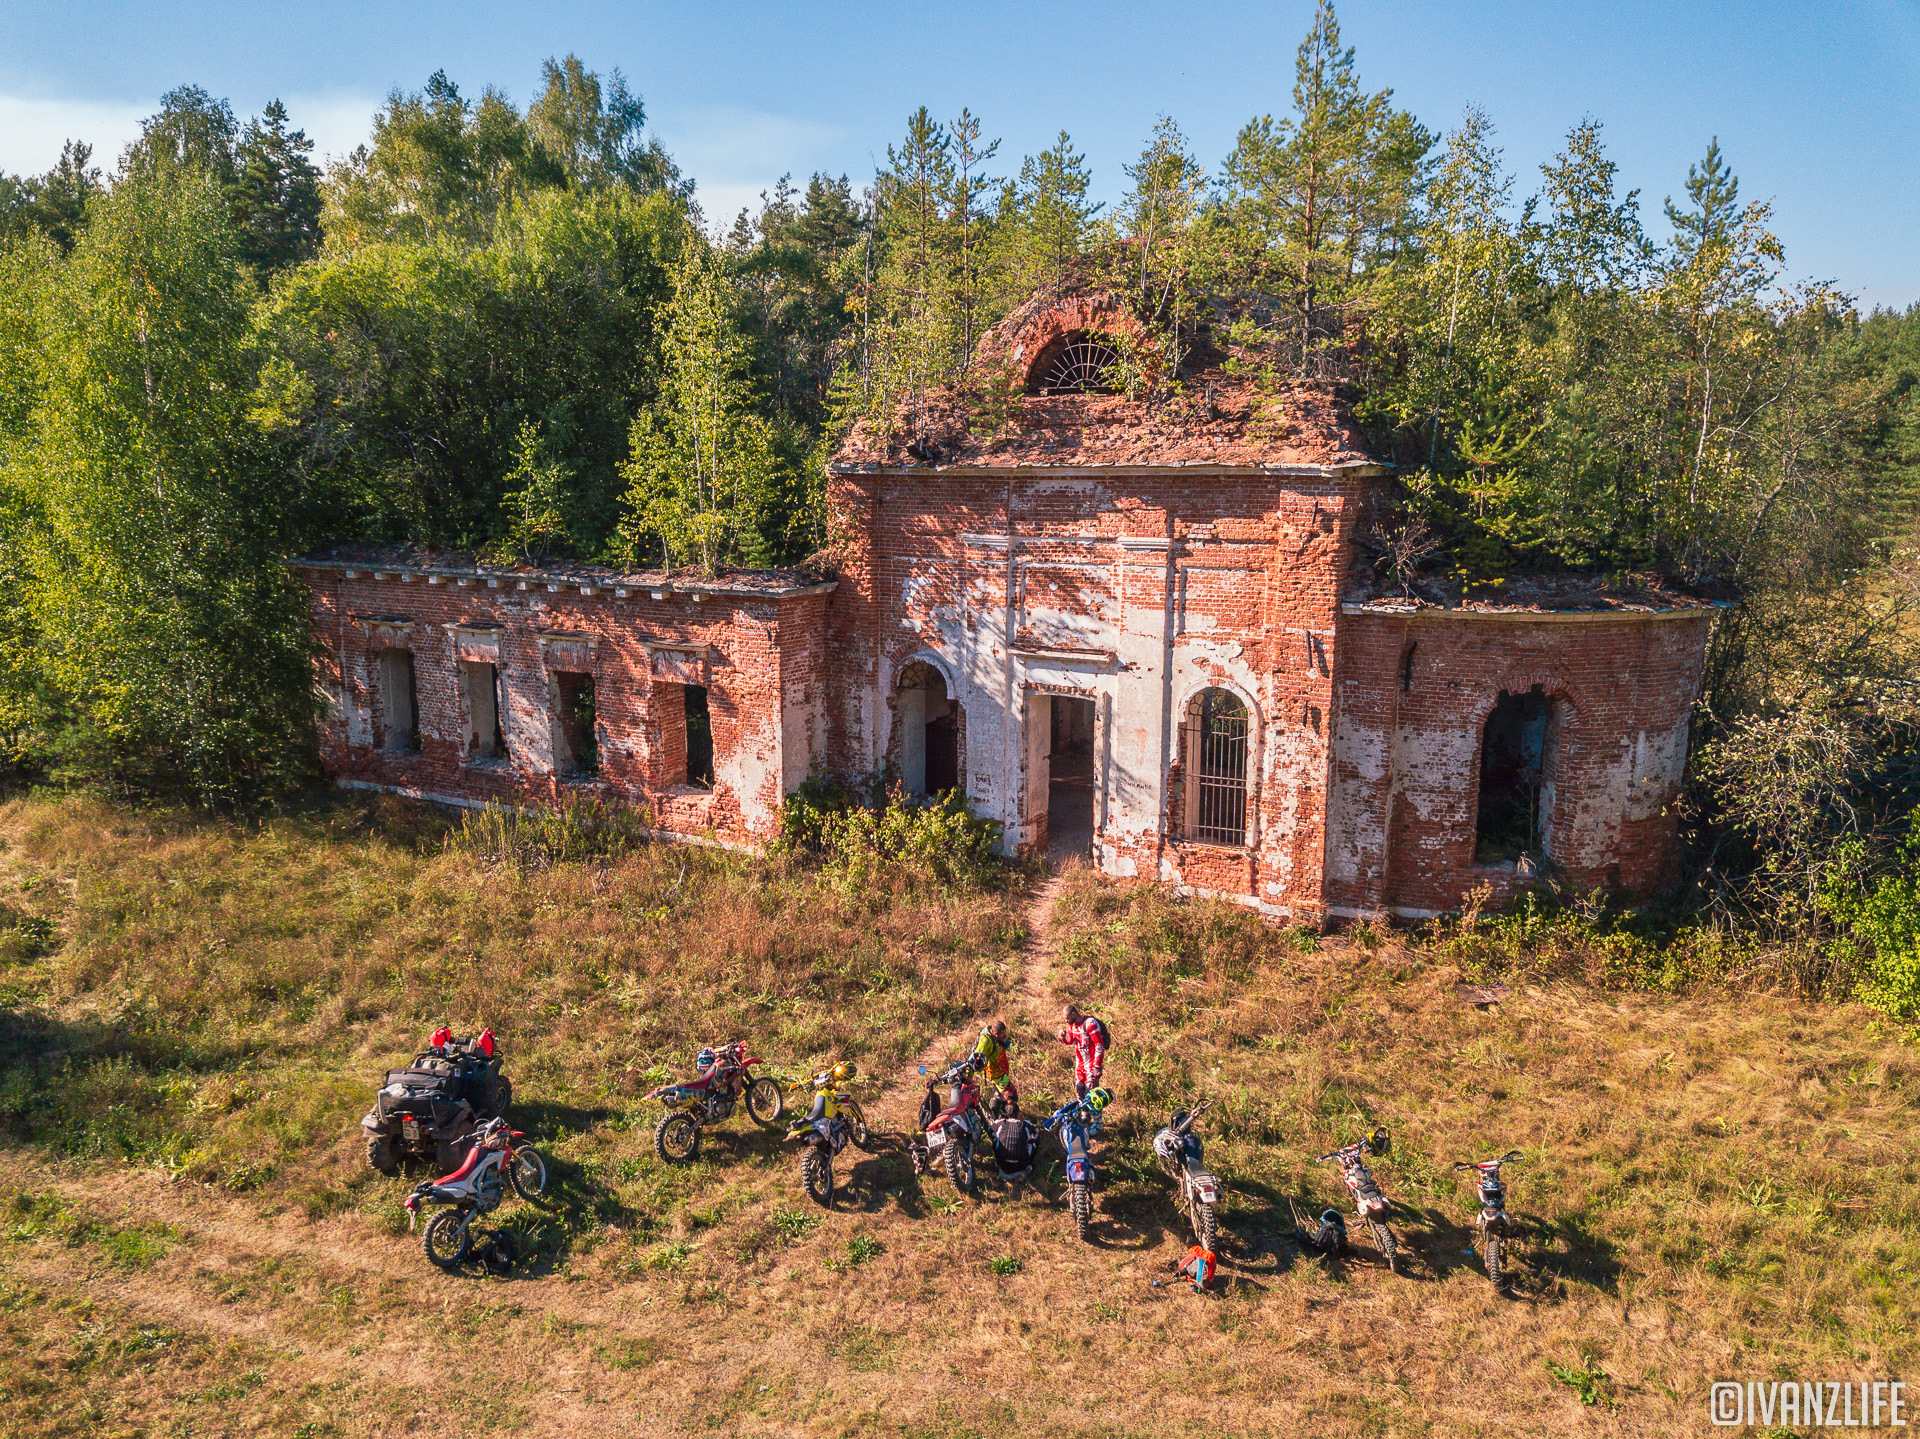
(1207,1192)
(936,1138)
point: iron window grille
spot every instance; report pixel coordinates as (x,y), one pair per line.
(1214,754)
(1081,366)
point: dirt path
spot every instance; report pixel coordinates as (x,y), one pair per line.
(1028,999)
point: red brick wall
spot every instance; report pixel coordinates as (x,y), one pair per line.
(760,663)
(1405,780)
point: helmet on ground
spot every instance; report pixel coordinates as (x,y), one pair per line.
(1379,1141)
(1099,1099)
(844,1070)
(705,1060)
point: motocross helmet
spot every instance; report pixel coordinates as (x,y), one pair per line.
(1098,1099)
(844,1071)
(493,1134)
(705,1060)
(1379,1142)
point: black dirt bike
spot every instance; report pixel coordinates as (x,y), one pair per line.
(1495,1226)
(1179,1151)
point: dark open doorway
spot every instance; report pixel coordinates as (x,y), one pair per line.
(1516,790)
(1070,779)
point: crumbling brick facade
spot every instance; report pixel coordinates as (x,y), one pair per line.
(751,643)
(1134,626)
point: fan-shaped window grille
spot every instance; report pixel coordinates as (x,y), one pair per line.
(1079,367)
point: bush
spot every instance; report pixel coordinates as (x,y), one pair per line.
(1881,918)
(861,836)
(578,829)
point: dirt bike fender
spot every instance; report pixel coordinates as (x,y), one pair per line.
(1206,1188)
(1374,1207)
(1495,1221)
(1079,1171)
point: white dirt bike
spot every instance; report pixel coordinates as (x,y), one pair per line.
(475,1188)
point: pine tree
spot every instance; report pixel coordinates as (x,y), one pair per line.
(1051,214)
(275,198)
(1328,193)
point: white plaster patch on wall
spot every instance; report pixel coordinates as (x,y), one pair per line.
(753,773)
(1659,764)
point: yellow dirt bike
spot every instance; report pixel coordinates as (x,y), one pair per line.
(833,1119)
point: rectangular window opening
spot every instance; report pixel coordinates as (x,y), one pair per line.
(699,737)
(399,715)
(578,747)
(482,684)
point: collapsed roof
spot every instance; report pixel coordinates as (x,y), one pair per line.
(1005,414)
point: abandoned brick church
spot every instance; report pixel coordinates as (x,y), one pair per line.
(1145,630)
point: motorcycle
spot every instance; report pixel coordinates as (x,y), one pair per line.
(1368,1202)
(833,1121)
(956,1128)
(1179,1151)
(1495,1226)
(726,1077)
(1075,1125)
(475,1188)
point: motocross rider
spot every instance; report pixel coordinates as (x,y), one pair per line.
(992,1051)
(1084,1036)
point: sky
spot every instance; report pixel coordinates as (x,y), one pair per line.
(1816,106)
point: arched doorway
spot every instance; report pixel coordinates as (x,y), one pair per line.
(926,746)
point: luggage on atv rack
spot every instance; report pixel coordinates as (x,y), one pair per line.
(429,1109)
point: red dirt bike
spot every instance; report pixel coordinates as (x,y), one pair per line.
(726,1078)
(956,1127)
(1494,1224)
(1368,1202)
(476,1188)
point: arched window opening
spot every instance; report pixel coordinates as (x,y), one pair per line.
(1079,364)
(1213,766)
(1516,787)
(928,737)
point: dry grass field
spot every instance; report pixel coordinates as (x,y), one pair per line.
(195,1014)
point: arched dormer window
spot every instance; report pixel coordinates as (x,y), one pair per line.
(1213,761)
(1078,363)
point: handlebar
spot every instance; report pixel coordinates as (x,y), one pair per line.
(1508,1158)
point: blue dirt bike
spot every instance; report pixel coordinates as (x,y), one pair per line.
(1075,1125)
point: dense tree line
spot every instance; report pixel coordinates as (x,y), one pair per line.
(515,330)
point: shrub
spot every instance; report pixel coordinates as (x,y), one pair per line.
(1882,925)
(578,829)
(861,837)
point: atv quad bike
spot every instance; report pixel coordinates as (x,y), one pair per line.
(431,1109)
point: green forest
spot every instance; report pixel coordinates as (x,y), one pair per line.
(515,330)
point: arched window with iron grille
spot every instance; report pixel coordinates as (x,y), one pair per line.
(1214,736)
(1080,363)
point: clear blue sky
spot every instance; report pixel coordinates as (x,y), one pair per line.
(1816,105)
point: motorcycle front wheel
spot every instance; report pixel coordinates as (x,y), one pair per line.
(765,1102)
(1081,1200)
(528,1174)
(1496,1260)
(676,1138)
(959,1152)
(816,1175)
(447,1239)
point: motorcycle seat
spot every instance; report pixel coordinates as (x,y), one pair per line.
(467,1166)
